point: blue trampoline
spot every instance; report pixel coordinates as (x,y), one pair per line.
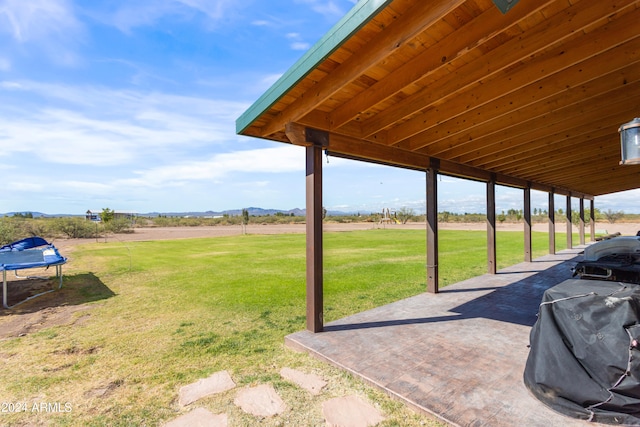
(32,252)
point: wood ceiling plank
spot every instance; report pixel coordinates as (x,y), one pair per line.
(568,124)
(397,34)
(539,155)
(560,159)
(468,37)
(583,175)
(561,124)
(573,175)
(530,157)
(618,181)
(568,165)
(475,128)
(492,66)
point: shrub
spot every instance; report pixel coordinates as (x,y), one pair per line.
(9,231)
(77,228)
(118,225)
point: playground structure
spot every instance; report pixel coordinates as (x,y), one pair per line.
(386,217)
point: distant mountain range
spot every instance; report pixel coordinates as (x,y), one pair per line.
(253,211)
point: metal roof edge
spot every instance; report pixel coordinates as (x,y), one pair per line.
(356,18)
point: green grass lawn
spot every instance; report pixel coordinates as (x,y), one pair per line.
(166,313)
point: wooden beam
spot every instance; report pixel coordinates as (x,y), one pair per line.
(569,224)
(592,220)
(581,226)
(527,225)
(552,223)
(432,228)
(358,149)
(491,227)
(314,239)
(299,134)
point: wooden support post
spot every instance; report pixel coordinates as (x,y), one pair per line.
(491,226)
(552,223)
(592,219)
(527,224)
(314,239)
(314,142)
(569,224)
(432,228)
(318,140)
(581,225)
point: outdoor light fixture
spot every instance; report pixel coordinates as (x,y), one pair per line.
(630,142)
(505,5)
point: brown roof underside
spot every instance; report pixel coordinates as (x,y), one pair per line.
(533,96)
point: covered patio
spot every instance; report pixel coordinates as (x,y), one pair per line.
(457,357)
(524,94)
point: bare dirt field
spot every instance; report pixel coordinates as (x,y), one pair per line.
(167,233)
(52,309)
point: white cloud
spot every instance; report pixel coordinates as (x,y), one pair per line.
(10,85)
(26,187)
(130,15)
(214,9)
(326,8)
(300,46)
(627,201)
(297,43)
(266,160)
(99,126)
(47,25)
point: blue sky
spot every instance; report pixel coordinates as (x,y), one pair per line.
(131,105)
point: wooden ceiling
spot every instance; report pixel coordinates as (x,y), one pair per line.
(531,97)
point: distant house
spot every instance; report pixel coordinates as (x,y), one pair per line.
(94,215)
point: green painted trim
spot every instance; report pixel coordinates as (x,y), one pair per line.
(361,14)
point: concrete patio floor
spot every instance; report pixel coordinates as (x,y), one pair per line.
(458,355)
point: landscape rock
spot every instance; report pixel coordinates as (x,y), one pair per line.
(310,382)
(261,401)
(350,411)
(199,417)
(216,383)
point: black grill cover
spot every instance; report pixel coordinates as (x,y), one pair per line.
(584,360)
